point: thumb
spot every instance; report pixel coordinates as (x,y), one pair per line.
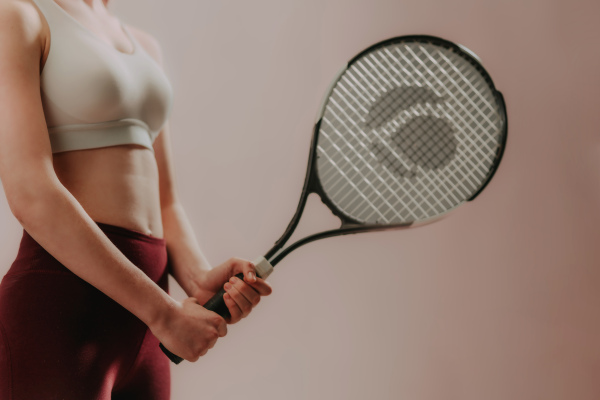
(249,270)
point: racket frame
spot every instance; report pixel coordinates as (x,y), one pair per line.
(312,182)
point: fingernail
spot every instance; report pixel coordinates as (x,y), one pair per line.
(251,276)
(233,279)
(227,286)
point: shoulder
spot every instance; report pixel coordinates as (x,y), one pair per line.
(21,27)
(17,8)
(22,15)
(147,41)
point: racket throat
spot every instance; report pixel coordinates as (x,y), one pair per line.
(263,267)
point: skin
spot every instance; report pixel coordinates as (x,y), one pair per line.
(56,197)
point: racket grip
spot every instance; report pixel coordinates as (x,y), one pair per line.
(216,304)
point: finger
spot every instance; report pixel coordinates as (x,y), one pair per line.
(211,344)
(234,309)
(240,299)
(222,328)
(262,287)
(246,267)
(249,270)
(251,294)
(237,265)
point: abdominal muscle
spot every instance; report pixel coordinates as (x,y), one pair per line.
(117,185)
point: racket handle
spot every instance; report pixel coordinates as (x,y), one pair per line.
(217,303)
(172,357)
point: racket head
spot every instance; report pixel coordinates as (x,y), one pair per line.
(411,128)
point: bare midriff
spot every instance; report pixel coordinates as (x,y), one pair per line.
(117,185)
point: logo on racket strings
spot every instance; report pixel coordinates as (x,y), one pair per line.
(426,140)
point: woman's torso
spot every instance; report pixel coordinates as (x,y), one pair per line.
(118,184)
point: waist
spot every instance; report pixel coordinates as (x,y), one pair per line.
(116,185)
(146,252)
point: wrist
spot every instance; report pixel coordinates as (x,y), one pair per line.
(160,315)
(192,280)
(196,280)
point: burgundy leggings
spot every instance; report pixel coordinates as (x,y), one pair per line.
(61,338)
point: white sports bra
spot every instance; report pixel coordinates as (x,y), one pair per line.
(94,95)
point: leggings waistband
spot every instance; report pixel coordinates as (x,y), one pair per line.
(119,230)
(147,252)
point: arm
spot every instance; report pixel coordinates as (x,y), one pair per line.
(43,206)
(187,263)
(54,218)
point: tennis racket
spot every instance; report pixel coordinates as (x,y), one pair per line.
(411,128)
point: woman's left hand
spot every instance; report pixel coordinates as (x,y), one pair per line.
(240,295)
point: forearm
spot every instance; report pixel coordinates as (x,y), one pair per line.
(58,222)
(187,262)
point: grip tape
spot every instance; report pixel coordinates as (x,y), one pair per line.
(217,303)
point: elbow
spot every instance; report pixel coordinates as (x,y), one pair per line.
(29,183)
(27,201)
(21,204)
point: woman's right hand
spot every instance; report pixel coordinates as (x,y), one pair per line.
(188,329)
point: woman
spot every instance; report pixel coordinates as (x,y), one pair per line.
(86,166)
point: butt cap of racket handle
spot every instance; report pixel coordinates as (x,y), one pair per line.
(172,357)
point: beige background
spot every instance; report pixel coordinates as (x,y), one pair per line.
(498,301)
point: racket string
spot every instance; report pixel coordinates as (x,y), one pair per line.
(408,132)
(416,201)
